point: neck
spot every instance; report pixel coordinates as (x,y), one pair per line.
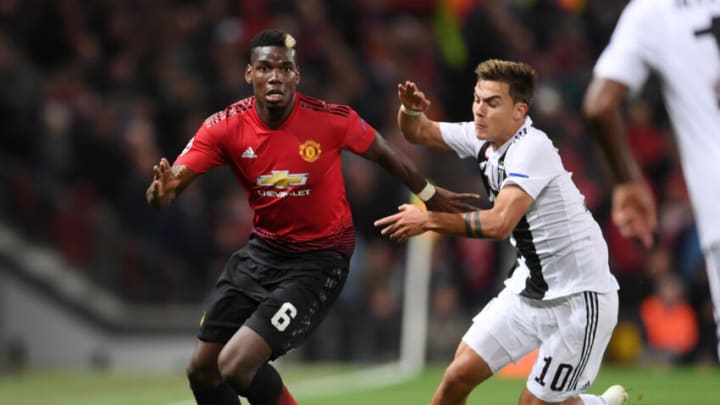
(273,117)
(497,143)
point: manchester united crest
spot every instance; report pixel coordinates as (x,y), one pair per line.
(310,151)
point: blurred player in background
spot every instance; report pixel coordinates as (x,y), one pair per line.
(680,41)
(561,296)
(284,149)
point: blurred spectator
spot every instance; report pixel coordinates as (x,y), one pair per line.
(669,321)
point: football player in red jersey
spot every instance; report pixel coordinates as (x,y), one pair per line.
(284,149)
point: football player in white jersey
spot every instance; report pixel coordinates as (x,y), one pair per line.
(680,42)
(561,296)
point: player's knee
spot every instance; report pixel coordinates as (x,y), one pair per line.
(526,398)
(237,371)
(203,375)
(457,379)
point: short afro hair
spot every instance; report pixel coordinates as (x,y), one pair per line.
(273,38)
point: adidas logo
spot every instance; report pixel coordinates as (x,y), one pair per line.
(249,153)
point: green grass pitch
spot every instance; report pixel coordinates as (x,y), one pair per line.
(678,386)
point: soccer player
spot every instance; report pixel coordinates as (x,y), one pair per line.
(561,296)
(284,149)
(680,41)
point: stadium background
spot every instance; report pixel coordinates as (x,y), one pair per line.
(93,93)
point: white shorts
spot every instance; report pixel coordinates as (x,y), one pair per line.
(572,333)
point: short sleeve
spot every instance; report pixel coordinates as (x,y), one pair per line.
(461,138)
(627,58)
(204,150)
(359,134)
(531,163)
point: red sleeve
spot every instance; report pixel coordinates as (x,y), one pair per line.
(204,150)
(359,135)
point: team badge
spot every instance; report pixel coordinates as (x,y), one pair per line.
(310,151)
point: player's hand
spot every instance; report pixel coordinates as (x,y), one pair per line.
(634,211)
(408,222)
(411,97)
(448,201)
(162,189)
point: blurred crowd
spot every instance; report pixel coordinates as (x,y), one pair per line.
(93,93)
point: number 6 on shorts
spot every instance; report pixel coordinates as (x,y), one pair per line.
(283,316)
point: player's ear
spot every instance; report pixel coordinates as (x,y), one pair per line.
(248,74)
(520,111)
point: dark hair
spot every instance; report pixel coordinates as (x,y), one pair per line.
(273,38)
(519,76)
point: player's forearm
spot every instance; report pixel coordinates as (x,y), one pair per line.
(601,108)
(475,224)
(411,125)
(608,131)
(396,163)
(404,170)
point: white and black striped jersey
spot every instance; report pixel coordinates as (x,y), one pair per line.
(680,41)
(561,250)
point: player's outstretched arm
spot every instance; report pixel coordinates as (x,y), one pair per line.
(168,182)
(633,205)
(415,126)
(402,168)
(496,223)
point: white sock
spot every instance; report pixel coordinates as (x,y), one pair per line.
(592,399)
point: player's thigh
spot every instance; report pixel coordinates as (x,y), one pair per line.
(467,367)
(503,331)
(205,354)
(573,345)
(296,306)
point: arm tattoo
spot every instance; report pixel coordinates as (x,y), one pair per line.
(472,224)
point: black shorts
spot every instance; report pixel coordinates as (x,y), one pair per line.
(282,305)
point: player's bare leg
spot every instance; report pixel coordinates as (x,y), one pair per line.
(241,357)
(466,371)
(205,379)
(243,364)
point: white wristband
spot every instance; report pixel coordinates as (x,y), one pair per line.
(427,192)
(407,111)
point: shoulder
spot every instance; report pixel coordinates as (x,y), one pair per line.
(532,144)
(645,11)
(315,105)
(533,139)
(226,115)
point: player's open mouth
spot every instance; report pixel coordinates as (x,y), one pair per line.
(274,95)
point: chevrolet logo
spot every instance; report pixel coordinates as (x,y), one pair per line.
(282,179)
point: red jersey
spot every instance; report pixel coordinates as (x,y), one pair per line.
(292,175)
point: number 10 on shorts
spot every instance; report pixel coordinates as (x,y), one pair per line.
(283,316)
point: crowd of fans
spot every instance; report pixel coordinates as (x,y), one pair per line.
(93,93)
